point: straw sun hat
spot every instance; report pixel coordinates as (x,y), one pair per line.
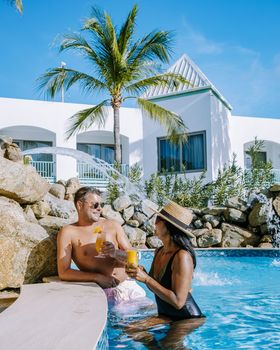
(178,216)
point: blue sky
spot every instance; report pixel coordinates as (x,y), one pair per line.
(235,43)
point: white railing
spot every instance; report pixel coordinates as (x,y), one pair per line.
(89,175)
(45,169)
(276,173)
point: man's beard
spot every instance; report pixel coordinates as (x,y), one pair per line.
(94,217)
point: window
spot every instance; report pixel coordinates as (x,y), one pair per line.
(104,152)
(187,156)
(25,145)
(261,157)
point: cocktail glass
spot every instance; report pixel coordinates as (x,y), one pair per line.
(100,239)
(132,259)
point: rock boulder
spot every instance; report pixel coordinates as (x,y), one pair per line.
(27,252)
(21,182)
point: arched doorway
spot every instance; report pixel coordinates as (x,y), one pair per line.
(270,152)
(100,144)
(29,137)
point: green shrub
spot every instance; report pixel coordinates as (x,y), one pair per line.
(116,187)
(186,192)
(113,189)
(229,183)
(260,176)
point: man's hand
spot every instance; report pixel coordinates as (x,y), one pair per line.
(108,249)
(106,281)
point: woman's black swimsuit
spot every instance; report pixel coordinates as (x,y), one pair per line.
(189,310)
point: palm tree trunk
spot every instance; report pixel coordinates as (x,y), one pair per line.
(117,137)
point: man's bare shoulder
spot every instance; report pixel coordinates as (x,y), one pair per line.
(110,223)
(68,229)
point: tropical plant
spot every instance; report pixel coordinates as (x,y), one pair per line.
(122,67)
(18,5)
(260,176)
(229,183)
(254,152)
(179,188)
(115,188)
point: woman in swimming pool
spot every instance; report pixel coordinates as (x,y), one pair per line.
(172,269)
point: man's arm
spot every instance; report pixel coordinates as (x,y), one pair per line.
(64,257)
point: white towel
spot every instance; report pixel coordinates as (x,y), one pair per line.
(126,291)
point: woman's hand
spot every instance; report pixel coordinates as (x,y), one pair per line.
(108,249)
(139,274)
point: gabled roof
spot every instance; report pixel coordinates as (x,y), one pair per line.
(190,71)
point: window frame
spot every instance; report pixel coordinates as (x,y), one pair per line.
(181,171)
(98,144)
(20,143)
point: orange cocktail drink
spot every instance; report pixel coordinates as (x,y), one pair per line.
(99,242)
(132,259)
(100,239)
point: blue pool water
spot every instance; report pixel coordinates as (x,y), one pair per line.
(239,294)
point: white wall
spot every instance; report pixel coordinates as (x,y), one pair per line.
(41,119)
(244,129)
(201,111)
(195,111)
(272,150)
(220,138)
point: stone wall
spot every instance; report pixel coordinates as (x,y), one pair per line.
(32,212)
(237,224)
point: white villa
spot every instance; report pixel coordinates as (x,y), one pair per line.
(214,133)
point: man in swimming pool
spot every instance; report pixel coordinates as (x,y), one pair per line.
(77,242)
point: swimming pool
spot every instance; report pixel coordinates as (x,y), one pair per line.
(237,290)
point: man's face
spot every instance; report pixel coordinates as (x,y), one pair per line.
(90,208)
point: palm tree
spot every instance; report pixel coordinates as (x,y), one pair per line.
(123,68)
(17,4)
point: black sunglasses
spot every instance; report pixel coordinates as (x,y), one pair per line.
(95,205)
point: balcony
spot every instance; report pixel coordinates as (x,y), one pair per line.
(88,175)
(45,169)
(276,173)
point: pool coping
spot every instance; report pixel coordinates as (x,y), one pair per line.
(32,333)
(219,248)
(56,315)
(231,252)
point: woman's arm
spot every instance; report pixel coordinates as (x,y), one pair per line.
(182,271)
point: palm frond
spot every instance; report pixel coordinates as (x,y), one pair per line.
(112,39)
(127,30)
(167,79)
(78,43)
(96,20)
(84,119)
(51,82)
(171,122)
(155,45)
(18,5)
(57,78)
(104,39)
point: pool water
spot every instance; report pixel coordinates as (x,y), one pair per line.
(239,294)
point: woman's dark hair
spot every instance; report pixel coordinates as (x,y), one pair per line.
(81,194)
(181,239)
